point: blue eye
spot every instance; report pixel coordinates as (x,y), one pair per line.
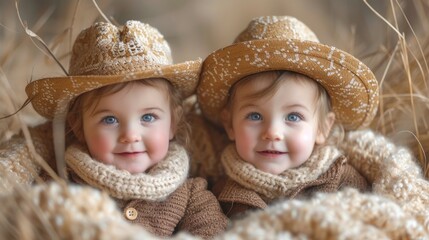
(294,117)
(254,116)
(148,118)
(109,120)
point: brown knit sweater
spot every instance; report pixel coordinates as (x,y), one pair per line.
(396,208)
(191,208)
(163,200)
(249,188)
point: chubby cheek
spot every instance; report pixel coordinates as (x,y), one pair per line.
(157,145)
(99,147)
(301,146)
(245,141)
(243,150)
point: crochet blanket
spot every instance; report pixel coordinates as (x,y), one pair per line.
(397,207)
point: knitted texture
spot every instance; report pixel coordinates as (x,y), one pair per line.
(76,212)
(395,209)
(236,199)
(394,171)
(157,184)
(208,142)
(274,186)
(343,215)
(17,167)
(56,212)
(191,208)
(17,163)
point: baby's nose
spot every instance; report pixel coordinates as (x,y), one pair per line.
(129,135)
(273,132)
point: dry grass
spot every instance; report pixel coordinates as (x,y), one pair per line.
(399,59)
(404,102)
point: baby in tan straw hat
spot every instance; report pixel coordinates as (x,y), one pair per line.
(284,99)
(126,131)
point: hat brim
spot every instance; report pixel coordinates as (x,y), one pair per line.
(48,95)
(351,85)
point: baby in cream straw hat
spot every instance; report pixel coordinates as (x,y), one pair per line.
(126,131)
(284,99)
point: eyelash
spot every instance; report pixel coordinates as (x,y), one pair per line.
(115,120)
(248,116)
(295,114)
(104,119)
(153,115)
(300,116)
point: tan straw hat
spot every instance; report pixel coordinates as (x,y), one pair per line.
(104,54)
(285,43)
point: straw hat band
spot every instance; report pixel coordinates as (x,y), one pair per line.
(351,85)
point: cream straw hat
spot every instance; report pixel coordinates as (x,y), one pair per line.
(285,43)
(104,54)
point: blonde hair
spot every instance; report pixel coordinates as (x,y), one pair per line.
(91,99)
(323,101)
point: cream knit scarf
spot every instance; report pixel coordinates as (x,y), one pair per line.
(274,186)
(162,180)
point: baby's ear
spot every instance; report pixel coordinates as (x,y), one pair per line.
(227,123)
(322,134)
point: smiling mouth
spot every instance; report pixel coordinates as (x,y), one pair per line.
(271,153)
(129,154)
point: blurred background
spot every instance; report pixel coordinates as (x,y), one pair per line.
(194,28)
(390,36)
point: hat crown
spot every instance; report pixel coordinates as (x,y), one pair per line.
(276,28)
(104,49)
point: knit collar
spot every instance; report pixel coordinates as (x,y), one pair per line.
(162,180)
(273,186)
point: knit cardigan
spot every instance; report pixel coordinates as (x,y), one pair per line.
(249,188)
(396,208)
(163,201)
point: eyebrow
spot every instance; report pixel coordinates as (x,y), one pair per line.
(297,105)
(100,111)
(246,105)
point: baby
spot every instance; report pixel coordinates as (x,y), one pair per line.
(126,133)
(284,100)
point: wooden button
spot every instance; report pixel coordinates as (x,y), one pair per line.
(131,213)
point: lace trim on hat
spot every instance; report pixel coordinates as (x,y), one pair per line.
(162,180)
(273,186)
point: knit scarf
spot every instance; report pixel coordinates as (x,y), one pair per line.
(161,180)
(274,186)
